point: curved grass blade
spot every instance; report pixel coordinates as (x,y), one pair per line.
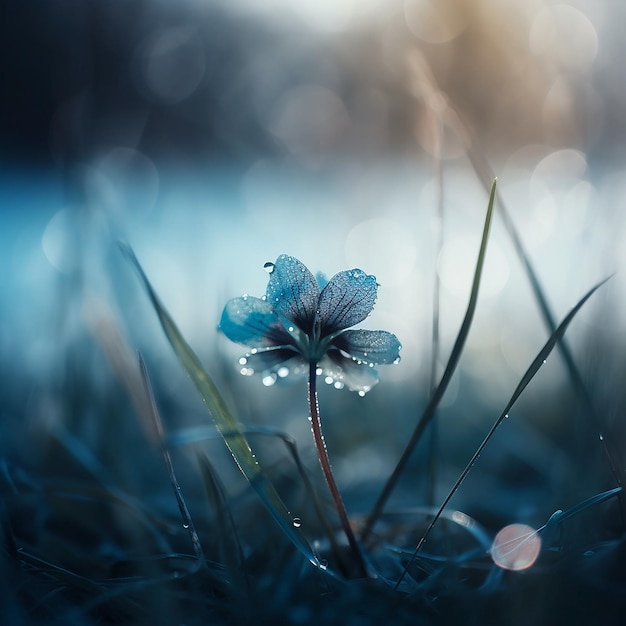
(560,516)
(453,361)
(224,421)
(191,435)
(539,360)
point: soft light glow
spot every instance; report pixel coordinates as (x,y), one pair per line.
(516,547)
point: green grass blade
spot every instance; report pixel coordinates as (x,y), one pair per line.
(453,361)
(224,421)
(532,370)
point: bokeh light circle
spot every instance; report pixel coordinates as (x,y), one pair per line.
(516,547)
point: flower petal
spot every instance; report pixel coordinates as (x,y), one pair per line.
(343,370)
(371,346)
(252,321)
(293,291)
(347,299)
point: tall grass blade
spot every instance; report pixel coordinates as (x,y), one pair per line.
(224,421)
(453,361)
(539,360)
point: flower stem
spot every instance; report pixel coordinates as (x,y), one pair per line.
(322,453)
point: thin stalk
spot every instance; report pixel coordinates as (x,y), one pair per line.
(182,506)
(322,453)
(433,443)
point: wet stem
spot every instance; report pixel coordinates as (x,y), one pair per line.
(322,453)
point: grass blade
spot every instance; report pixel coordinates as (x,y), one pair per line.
(224,421)
(560,516)
(229,546)
(534,367)
(178,493)
(453,361)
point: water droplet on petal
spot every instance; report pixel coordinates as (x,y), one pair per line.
(269,267)
(297,522)
(269,379)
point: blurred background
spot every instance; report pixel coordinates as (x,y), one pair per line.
(214,136)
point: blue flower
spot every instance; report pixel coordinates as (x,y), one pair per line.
(302,321)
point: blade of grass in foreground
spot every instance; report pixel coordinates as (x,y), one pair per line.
(224,421)
(178,493)
(453,361)
(540,359)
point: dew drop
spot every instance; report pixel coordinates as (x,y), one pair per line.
(328,380)
(297,522)
(339,385)
(269,267)
(269,379)
(396,360)
(283,372)
(243,360)
(318,371)
(362,393)
(185,525)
